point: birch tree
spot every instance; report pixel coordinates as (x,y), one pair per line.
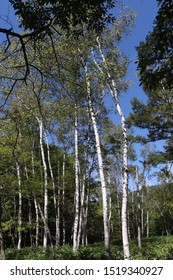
(114,93)
(76,196)
(138,208)
(100,162)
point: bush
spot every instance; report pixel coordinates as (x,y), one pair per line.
(155,248)
(66,253)
(28,254)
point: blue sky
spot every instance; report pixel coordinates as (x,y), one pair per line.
(146,11)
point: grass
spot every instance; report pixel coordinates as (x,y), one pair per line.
(153,248)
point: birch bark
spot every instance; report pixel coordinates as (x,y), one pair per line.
(45,237)
(138,209)
(113,91)
(82,197)
(35,202)
(76,198)
(100,165)
(63,199)
(57,218)
(20,206)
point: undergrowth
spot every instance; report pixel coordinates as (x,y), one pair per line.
(154,248)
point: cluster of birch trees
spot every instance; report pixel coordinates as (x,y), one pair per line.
(64,163)
(61,110)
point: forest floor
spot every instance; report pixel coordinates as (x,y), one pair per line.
(153,248)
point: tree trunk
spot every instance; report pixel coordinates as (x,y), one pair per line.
(85,218)
(76,198)
(63,200)
(35,202)
(20,206)
(114,94)
(100,165)
(40,123)
(37,223)
(57,220)
(45,224)
(138,209)
(82,197)
(142,212)
(29,209)
(30,221)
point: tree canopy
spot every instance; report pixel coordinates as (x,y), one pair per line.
(68,14)
(155,54)
(155,65)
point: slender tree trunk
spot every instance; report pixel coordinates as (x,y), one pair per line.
(63,200)
(82,197)
(133,215)
(37,223)
(100,165)
(29,209)
(142,212)
(35,202)
(44,221)
(125,175)
(112,88)
(58,201)
(38,208)
(30,221)
(76,198)
(138,209)
(119,214)
(45,238)
(57,221)
(85,218)
(20,206)
(148,215)
(109,203)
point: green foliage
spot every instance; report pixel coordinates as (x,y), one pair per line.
(93,252)
(153,248)
(155,116)
(28,254)
(40,15)
(155,55)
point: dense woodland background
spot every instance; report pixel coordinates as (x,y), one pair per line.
(70,187)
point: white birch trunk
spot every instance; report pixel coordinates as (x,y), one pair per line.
(85,218)
(35,202)
(82,197)
(109,204)
(30,209)
(142,212)
(114,94)
(148,217)
(100,165)
(76,198)
(45,223)
(20,206)
(57,218)
(30,221)
(63,200)
(45,237)
(37,222)
(138,209)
